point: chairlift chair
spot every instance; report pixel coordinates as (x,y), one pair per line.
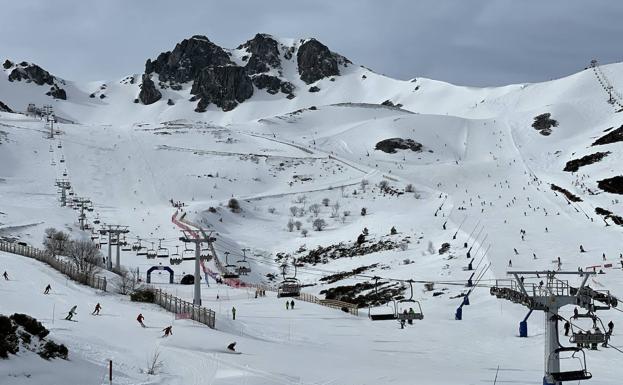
(573,375)
(163,252)
(65,173)
(410,314)
(53,163)
(62,160)
(59,145)
(151,253)
(230,270)
(290,286)
(175,257)
(383,314)
(244,267)
(125,246)
(205,255)
(51,149)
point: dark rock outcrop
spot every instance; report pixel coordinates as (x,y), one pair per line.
(611,137)
(272,84)
(4,107)
(313,89)
(575,164)
(390,145)
(7,64)
(149,94)
(225,86)
(612,185)
(31,72)
(315,61)
(57,93)
(543,123)
(570,196)
(607,214)
(389,103)
(187,60)
(264,52)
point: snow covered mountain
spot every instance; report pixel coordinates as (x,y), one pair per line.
(315,149)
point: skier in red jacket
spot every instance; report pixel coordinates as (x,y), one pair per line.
(140,319)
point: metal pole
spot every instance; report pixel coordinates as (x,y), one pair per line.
(109,260)
(118,260)
(197,296)
(552,360)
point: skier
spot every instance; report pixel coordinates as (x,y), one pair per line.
(575,313)
(233,313)
(610,327)
(167,331)
(98,307)
(232,347)
(71,313)
(287,305)
(292,304)
(582,249)
(47,289)
(5,275)
(567,327)
(140,319)
(411,315)
(510,263)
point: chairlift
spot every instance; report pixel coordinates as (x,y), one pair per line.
(187,248)
(188,255)
(53,163)
(125,246)
(383,314)
(175,257)
(230,270)
(409,314)
(163,252)
(62,160)
(65,173)
(139,248)
(244,267)
(71,192)
(97,219)
(573,375)
(51,149)
(290,286)
(151,253)
(205,255)
(59,145)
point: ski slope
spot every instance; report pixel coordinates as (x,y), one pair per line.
(483,170)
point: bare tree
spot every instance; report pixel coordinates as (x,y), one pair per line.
(234,205)
(315,209)
(335,210)
(364,183)
(298,225)
(304,232)
(55,242)
(86,257)
(294,210)
(128,281)
(154,363)
(290,225)
(325,202)
(409,188)
(383,184)
(319,224)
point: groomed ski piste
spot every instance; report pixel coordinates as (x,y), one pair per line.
(484,173)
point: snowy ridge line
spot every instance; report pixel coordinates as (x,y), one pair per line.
(96,282)
(228,153)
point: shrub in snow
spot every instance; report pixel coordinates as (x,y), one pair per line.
(290,225)
(272,210)
(319,224)
(315,209)
(325,202)
(364,211)
(304,232)
(143,295)
(234,205)
(409,188)
(298,225)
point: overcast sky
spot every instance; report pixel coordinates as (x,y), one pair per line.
(470,42)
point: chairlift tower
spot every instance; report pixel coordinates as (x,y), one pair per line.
(198,237)
(114,230)
(49,124)
(549,295)
(63,185)
(85,205)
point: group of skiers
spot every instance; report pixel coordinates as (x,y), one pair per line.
(290,305)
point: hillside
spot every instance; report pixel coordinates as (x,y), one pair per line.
(439,163)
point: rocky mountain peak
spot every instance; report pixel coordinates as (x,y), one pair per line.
(264,53)
(315,61)
(32,73)
(187,59)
